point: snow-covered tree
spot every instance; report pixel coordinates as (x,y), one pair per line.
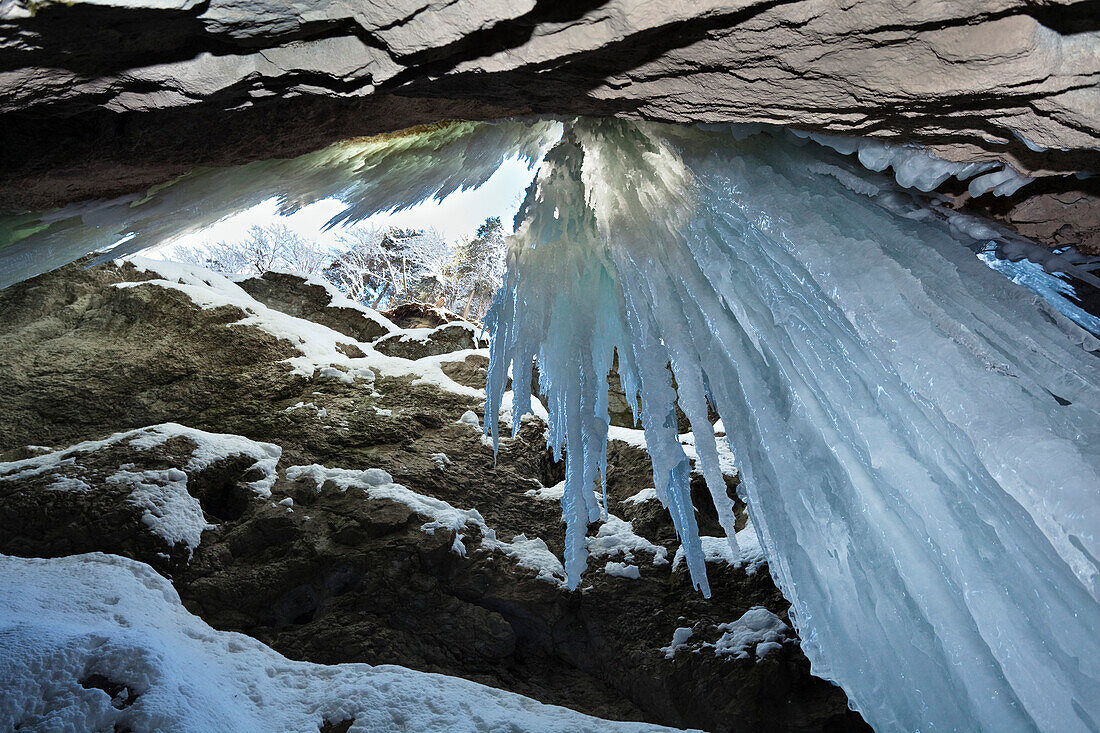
(479,266)
(265,248)
(391,265)
(380,267)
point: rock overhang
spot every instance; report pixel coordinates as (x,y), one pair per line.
(106,97)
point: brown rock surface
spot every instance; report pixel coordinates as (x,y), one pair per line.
(331,573)
(100,99)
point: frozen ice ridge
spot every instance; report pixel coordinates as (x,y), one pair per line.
(919,438)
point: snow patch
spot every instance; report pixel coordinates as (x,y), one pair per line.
(642,496)
(718,550)
(758,630)
(616,537)
(170,512)
(531,553)
(547,493)
(680,638)
(622,570)
(317,344)
(64,619)
(68,483)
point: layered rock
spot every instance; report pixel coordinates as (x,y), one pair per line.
(104,98)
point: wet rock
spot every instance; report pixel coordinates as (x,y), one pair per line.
(471,371)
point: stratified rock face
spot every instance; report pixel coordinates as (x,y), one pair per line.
(318,301)
(416,343)
(345,514)
(112,95)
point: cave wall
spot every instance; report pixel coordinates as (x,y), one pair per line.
(100,98)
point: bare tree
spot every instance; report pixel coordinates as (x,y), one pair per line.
(265,248)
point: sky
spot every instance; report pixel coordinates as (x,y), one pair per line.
(456,216)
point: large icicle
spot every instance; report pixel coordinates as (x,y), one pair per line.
(918,437)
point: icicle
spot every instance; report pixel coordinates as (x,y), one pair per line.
(917,439)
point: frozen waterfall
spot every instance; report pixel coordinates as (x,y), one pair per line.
(919,438)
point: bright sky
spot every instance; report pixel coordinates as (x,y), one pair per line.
(456,216)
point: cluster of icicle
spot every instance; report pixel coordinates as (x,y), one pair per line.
(919,439)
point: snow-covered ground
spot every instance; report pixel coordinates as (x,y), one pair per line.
(67,624)
(169,510)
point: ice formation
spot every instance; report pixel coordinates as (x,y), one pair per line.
(1047,285)
(915,167)
(385,173)
(757,632)
(918,438)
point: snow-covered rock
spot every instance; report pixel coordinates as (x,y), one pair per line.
(396,568)
(756,633)
(71,628)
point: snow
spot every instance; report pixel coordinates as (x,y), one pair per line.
(622,570)
(537,409)
(917,436)
(616,537)
(211,448)
(337,299)
(752,552)
(318,345)
(644,495)
(423,335)
(717,550)
(63,620)
(68,483)
(631,436)
(170,511)
(679,641)
(727,464)
(758,632)
(547,493)
(321,412)
(531,553)
(440,460)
